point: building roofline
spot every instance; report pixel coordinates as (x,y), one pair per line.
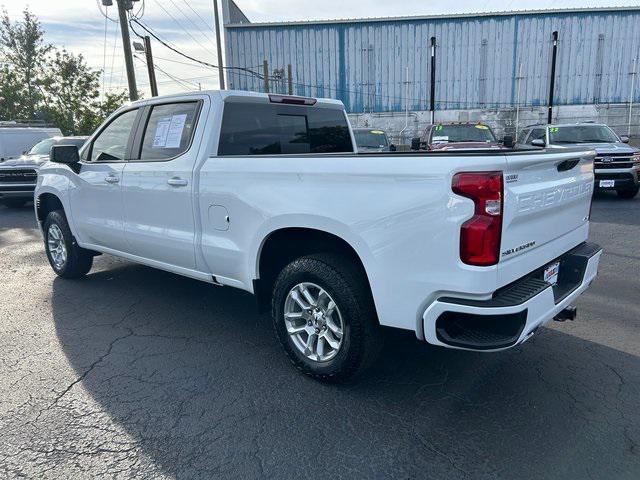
(435,17)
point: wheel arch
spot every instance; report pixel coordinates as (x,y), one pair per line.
(47,202)
(286,243)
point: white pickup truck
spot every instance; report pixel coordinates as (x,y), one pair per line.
(266,193)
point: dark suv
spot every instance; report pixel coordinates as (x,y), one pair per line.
(617,165)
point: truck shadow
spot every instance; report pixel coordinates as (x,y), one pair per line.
(198,379)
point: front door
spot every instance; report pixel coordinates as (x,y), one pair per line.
(96,200)
(158,186)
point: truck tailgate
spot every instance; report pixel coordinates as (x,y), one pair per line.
(547,198)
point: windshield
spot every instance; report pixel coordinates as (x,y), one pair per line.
(582,134)
(461,133)
(43,147)
(371,139)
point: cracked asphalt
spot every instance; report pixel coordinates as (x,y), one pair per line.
(133,372)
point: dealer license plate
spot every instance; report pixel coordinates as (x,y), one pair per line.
(551,273)
(607,183)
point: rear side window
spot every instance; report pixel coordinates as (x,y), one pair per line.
(265,129)
(169,131)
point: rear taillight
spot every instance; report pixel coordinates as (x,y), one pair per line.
(480,235)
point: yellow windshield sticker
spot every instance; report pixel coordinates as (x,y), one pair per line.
(482,127)
(377,132)
(554,129)
(438,128)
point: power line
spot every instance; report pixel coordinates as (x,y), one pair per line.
(180,24)
(207,64)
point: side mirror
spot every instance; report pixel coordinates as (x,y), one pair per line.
(392,148)
(507,141)
(415,143)
(67,154)
(624,139)
(538,142)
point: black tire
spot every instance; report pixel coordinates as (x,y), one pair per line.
(78,260)
(628,194)
(14,202)
(346,284)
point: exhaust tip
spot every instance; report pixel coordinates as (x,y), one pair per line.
(569,313)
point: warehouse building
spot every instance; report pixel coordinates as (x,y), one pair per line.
(492,67)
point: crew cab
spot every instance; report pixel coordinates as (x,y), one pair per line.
(617,165)
(267,193)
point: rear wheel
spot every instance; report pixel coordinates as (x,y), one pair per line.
(14,202)
(66,258)
(628,194)
(324,317)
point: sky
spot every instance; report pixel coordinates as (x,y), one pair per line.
(81,27)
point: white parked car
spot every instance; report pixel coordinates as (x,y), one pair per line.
(266,193)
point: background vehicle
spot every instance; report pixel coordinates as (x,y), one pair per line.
(372,140)
(18,177)
(454,136)
(266,193)
(17,138)
(617,165)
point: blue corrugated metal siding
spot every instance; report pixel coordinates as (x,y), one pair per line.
(364,64)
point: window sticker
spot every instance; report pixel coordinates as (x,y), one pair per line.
(160,138)
(377,132)
(169,131)
(439,127)
(440,138)
(174,135)
(482,127)
(554,129)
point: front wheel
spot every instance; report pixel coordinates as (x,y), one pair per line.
(628,194)
(324,317)
(66,258)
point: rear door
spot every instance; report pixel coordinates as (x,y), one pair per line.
(547,197)
(158,184)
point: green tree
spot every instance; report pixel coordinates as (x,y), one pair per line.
(71,92)
(23,47)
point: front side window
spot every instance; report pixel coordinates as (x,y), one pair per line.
(111,144)
(169,131)
(265,129)
(536,134)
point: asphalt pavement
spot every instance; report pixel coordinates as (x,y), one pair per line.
(134,372)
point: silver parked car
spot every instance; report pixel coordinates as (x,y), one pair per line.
(617,164)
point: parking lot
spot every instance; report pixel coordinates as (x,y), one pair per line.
(139,373)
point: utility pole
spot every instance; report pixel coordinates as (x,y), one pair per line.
(290,79)
(432,101)
(631,94)
(552,80)
(265,72)
(218,45)
(150,68)
(126,44)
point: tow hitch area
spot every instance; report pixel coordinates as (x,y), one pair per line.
(568,313)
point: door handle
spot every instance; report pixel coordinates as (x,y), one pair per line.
(111,179)
(177,182)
